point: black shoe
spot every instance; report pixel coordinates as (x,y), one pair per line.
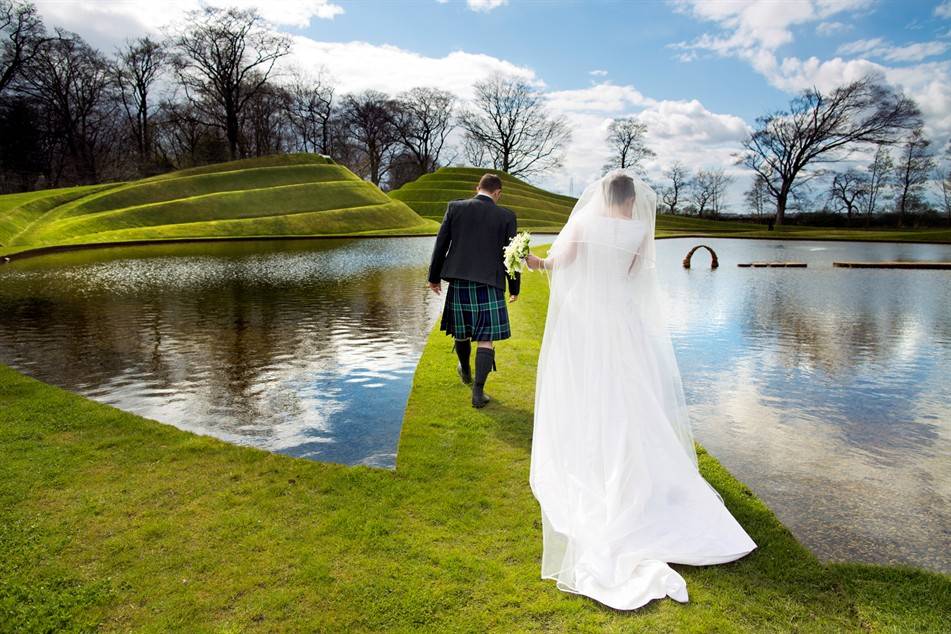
(484,362)
(480,400)
(465,376)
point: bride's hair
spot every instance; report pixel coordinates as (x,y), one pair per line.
(618,189)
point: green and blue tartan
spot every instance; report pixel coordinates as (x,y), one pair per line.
(475,311)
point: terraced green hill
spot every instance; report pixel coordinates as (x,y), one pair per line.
(287,195)
(537,209)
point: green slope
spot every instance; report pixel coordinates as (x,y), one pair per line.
(287,195)
(537,209)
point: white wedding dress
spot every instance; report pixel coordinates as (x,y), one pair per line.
(614,467)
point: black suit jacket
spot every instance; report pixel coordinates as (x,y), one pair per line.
(470,242)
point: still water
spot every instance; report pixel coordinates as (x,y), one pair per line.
(302,347)
(826,390)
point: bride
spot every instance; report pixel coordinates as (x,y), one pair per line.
(614,467)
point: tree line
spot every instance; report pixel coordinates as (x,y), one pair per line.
(214,90)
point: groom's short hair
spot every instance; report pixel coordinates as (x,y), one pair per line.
(490,183)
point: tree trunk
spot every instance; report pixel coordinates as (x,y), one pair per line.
(231,129)
(781,205)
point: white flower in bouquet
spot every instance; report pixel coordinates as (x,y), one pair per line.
(516,251)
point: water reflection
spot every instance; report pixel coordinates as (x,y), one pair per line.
(826,392)
(306,348)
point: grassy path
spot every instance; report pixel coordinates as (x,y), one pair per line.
(115,522)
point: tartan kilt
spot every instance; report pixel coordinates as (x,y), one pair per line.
(475,311)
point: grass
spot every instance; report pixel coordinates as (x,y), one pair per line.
(673,226)
(285,195)
(115,522)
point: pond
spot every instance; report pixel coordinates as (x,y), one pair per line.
(823,389)
(306,348)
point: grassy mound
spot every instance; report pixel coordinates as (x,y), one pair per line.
(537,209)
(117,523)
(286,195)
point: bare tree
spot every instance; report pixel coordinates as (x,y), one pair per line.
(223,58)
(719,181)
(21,36)
(672,194)
(848,189)
(821,127)
(944,179)
(509,126)
(423,122)
(73,84)
(702,190)
(915,163)
(310,111)
(369,120)
(879,173)
(628,145)
(138,67)
(757,196)
(265,127)
(183,140)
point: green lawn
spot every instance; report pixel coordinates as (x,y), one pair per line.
(284,195)
(674,226)
(115,522)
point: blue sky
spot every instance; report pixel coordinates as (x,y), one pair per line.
(697,73)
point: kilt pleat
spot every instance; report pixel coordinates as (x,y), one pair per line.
(475,311)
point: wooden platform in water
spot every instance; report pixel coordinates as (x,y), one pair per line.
(893,265)
(785,265)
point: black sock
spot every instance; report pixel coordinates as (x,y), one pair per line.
(484,361)
(463,350)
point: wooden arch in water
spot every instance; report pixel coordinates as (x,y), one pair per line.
(714,263)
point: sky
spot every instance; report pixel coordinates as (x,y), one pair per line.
(697,73)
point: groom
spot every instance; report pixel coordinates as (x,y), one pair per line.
(468,254)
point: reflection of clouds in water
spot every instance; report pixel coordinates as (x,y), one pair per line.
(824,390)
(255,348)
(841,500)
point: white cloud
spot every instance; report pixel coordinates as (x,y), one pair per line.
(683,131)
(598,73)
(603,97)
(357,66)
(916,52)
(877,47)
(943,10)
(859,47)
(831,28)
(757,24)
(484,6)
(130,17)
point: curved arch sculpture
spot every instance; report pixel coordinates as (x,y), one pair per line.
(714,263)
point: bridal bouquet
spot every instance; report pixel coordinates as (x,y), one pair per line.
(515,252)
